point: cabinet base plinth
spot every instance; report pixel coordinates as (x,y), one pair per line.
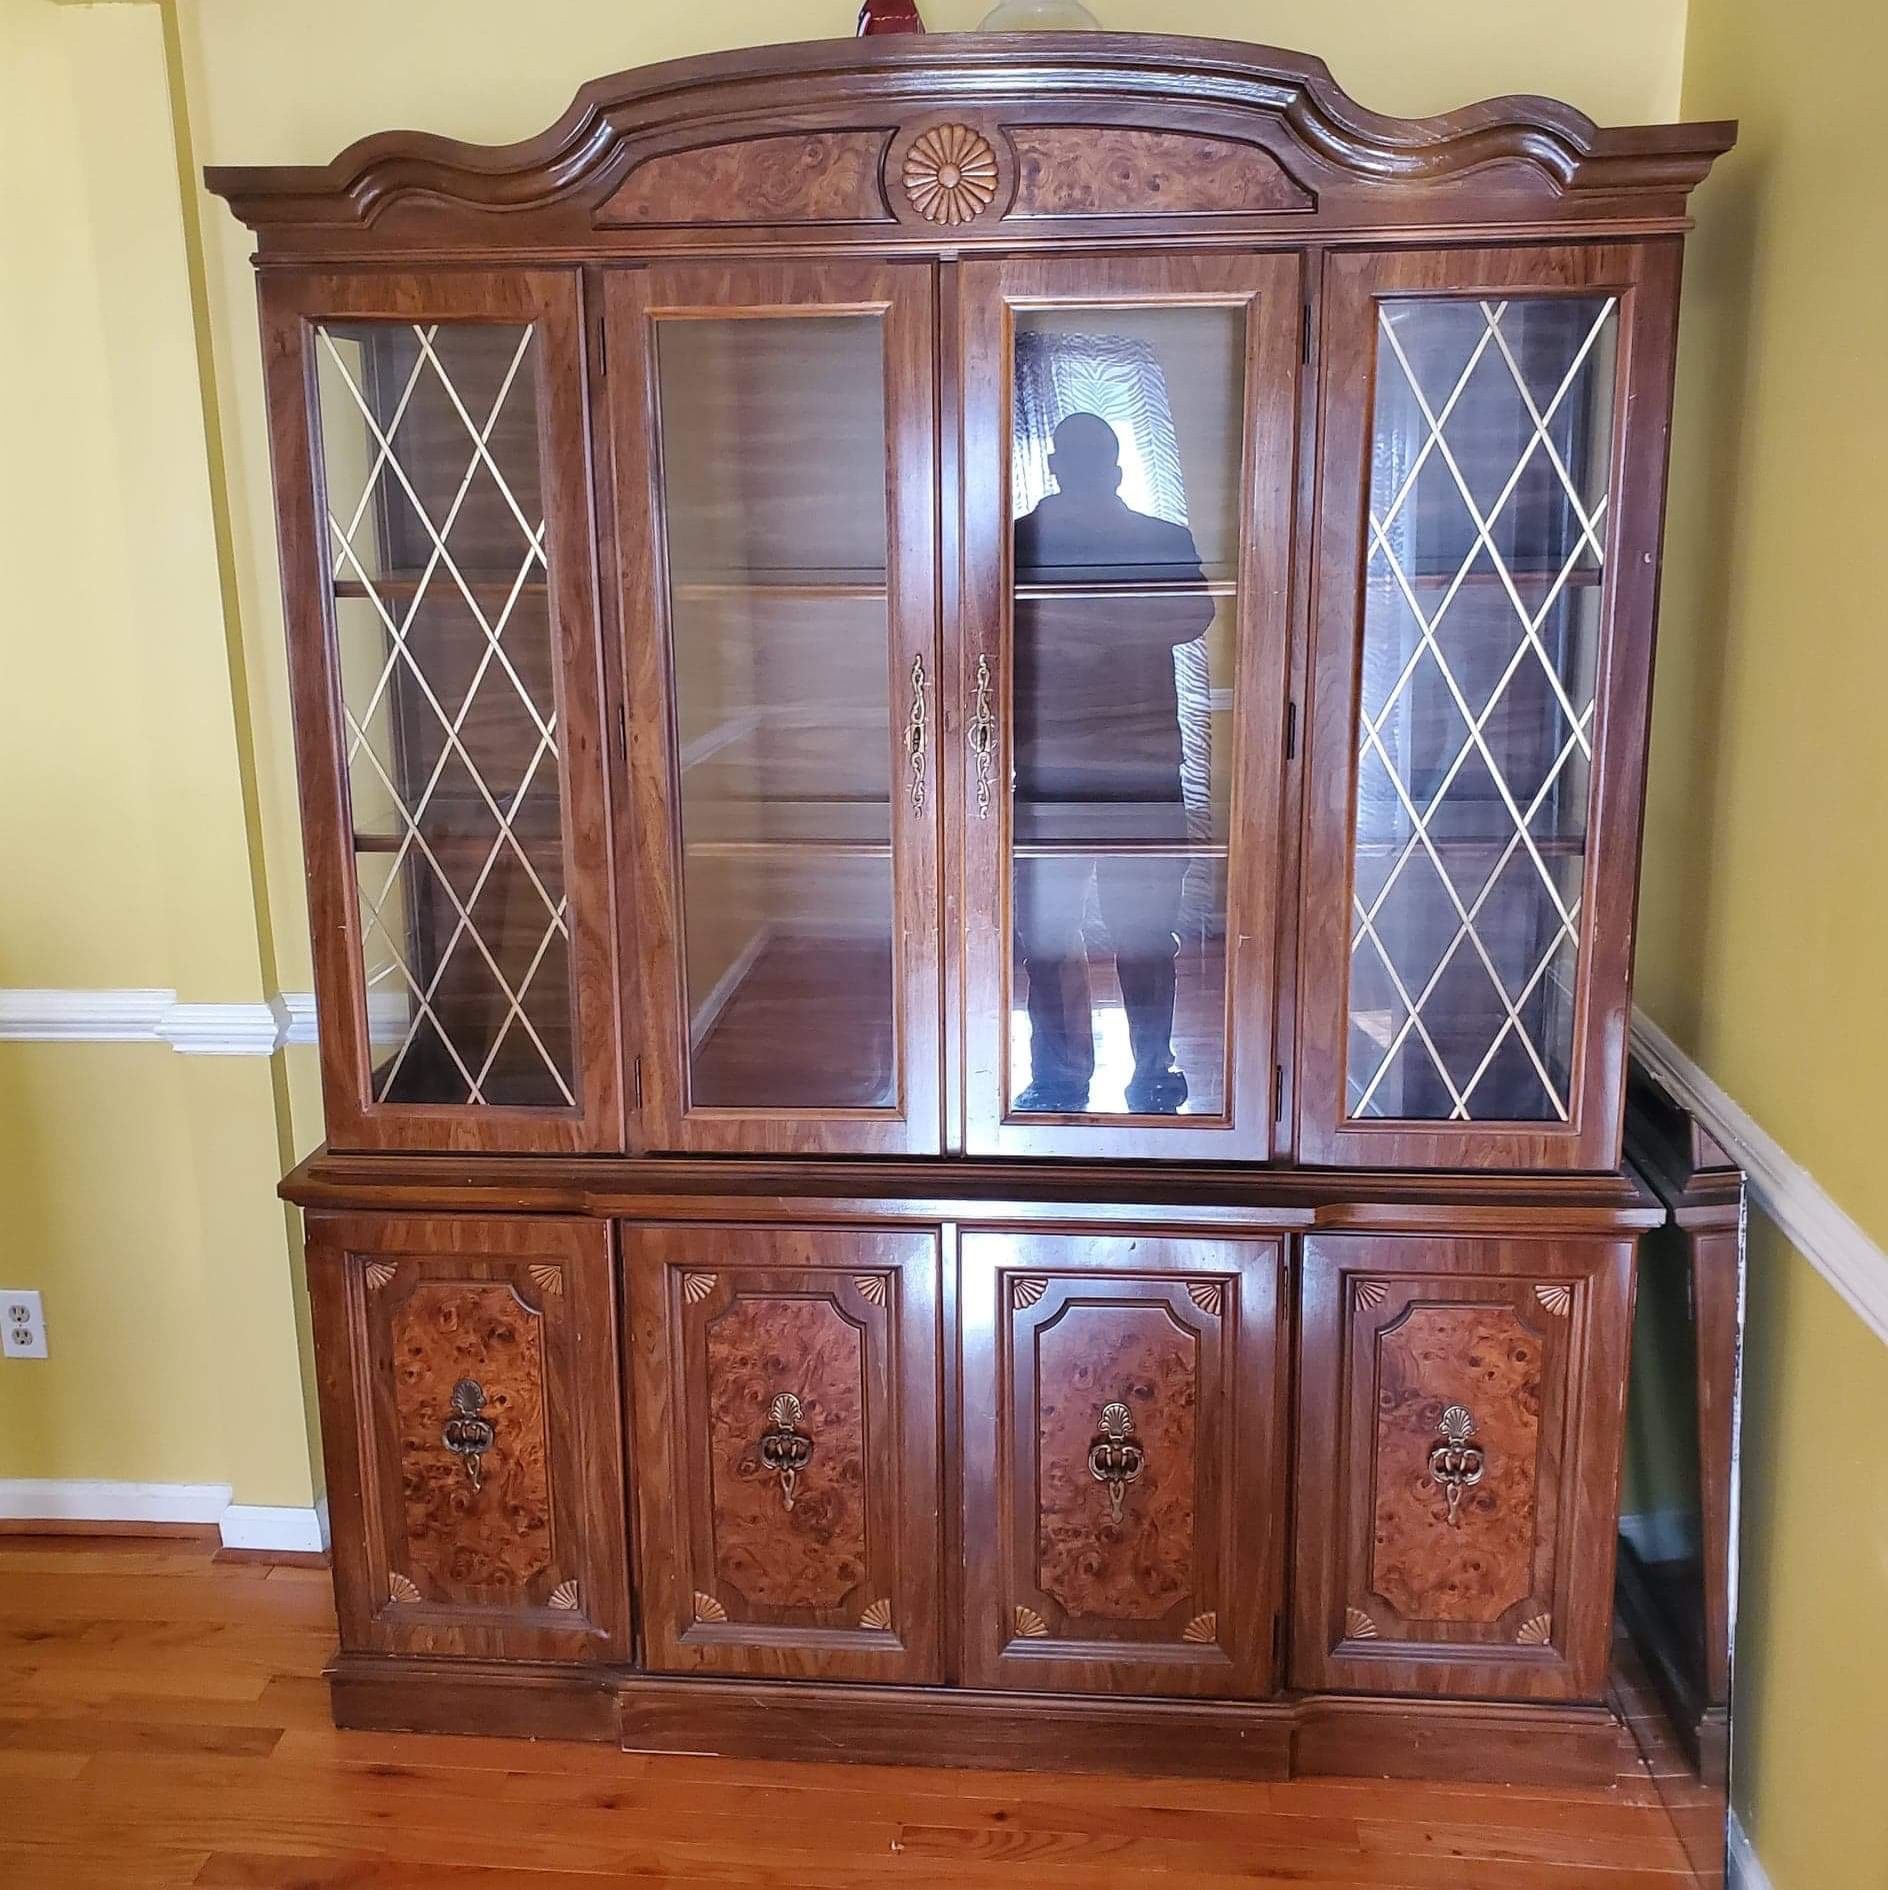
(937,1726)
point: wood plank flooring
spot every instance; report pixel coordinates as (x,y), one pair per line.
(163,1722)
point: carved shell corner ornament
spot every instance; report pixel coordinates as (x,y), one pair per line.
(1030,1626)
(1538,1632)
(566,1596)
(377,1273)
(1358,1626)
(1208,1295)
(878,1617)
(402,1588)
(547,1278)
(707,1608)
(697,1286)
(871,1287)
(1025,1292)
(950,174)
(1557,1298)
(1202,1630)
(1371,1293)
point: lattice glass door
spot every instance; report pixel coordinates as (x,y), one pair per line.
(450,618)
(1490,469)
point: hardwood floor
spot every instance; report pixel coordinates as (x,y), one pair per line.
(163,1722)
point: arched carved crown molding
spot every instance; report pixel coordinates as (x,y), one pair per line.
(1188,128)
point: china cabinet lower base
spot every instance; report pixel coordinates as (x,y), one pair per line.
(1311,1734)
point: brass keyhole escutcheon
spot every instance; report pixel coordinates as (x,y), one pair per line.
(784,1448)
(1116,1458)
(1455,1462)
(468,1433)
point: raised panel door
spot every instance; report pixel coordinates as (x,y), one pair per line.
(1129,436)
(773,434)
(469,1419)
(785,1424)
(1458,1464)
(1123,1486)
(1492,461)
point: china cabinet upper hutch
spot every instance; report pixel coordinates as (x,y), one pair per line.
(971,717)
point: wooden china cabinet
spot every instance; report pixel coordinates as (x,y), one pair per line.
(971,716)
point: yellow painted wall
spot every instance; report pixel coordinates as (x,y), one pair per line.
(1765,896)
(135,1184)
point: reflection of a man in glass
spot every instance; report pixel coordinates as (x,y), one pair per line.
(1098,753)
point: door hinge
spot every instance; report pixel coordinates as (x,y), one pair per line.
(1304,339)
(603,347)
(636,1080)
(622,732)
(1278,1092)
(1291,731)
(1278,1646)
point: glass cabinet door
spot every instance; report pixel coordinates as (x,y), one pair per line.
(1490,537)
(436,542)
(1128,453)
(773,436)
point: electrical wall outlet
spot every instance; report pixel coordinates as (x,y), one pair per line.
(22,1324)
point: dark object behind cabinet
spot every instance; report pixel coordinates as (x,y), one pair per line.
(1070,616)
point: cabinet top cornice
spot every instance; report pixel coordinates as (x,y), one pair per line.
(1096,135)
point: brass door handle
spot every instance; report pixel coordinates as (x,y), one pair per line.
(784,1448)
(1455,1462)
(916,731)
(981,732)
(1115,1457)
(468,1433)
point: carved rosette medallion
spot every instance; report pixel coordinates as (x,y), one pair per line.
(950,174)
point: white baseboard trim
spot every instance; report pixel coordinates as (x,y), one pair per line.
(155,1015)
(1743,1870)
(263,1526)
(1847,1257)
(240,1525)
(52,1499)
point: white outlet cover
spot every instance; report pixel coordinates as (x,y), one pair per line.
(22,1323)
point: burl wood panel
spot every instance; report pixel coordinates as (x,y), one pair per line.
(1139,1568)
(1486,1358)
(813,1555)
(823,177)
(1081,170)
(458,1539)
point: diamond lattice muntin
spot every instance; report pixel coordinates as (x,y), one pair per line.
(1491,452)
(435,516)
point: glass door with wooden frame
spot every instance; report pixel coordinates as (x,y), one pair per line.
(773,435)
(1129,440)
(1489,526)
(435,534)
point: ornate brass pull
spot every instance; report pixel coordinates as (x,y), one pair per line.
(981,735)
(915,732)
(1115,1458)
(1455,1462)
(784,1447)
(468,1432)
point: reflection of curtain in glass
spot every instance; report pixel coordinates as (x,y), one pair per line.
(1121,379)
